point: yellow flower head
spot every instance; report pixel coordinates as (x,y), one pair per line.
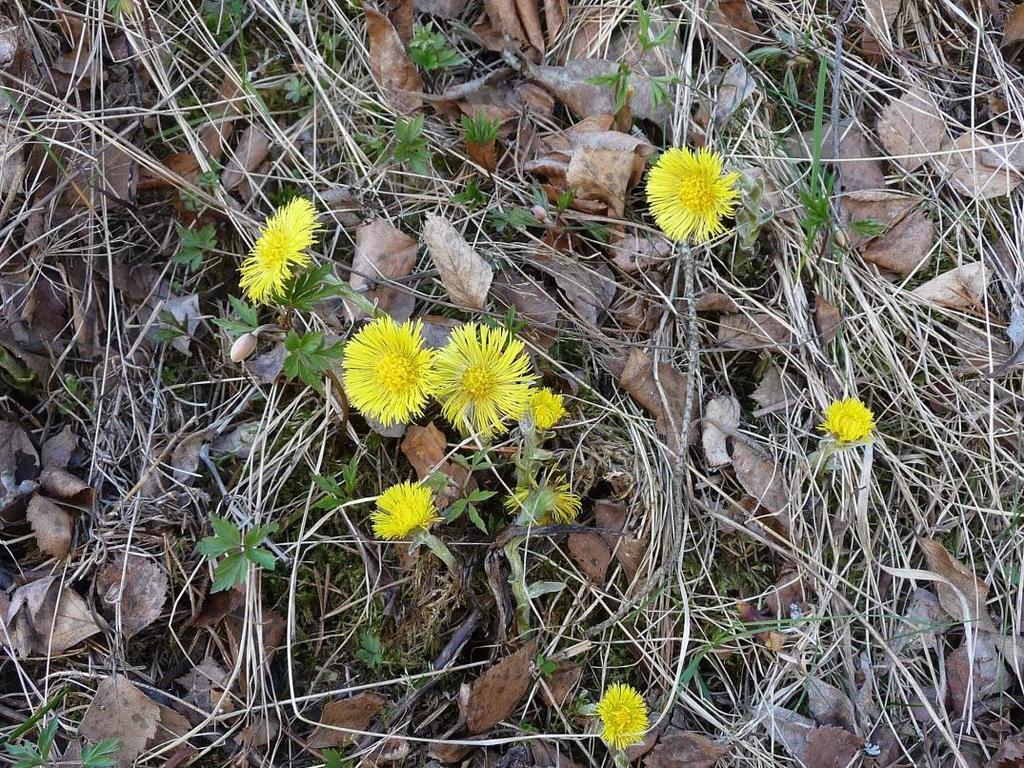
(623,714)
(404,509)
(552,502)
(483,378)
(281,245)
(848,421)
(388,371)
(689,194)
(546,407)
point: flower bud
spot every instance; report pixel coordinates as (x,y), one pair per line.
(243,347)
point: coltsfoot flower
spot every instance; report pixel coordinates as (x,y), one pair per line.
(281,246)
(484,379)
(552,502)
(848,421)
(546,407)
(623,714)
(403,510)
(389,373)
(689,194)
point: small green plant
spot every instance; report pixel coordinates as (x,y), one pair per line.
(296,91)
(247,321)
(647,43)
(546,667)
(333,759)
(101,754)
(411,147)
(29,755)
(816,195)
(480,129)
(619,80)
(472,197)
(428,49)
(467,506)
(238,550)
(514,219)
(171,328)
(866,227)
(305,289)
(309,356)
(370,650)
(193,244)
(511,323)
(336,494)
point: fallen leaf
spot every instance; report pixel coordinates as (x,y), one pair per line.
(137,586)
(252,149)
(831,747)
(449,753)
(924,617)
(551,755)
(61,484)
(426,448)
(827,320)
(48,619)
(829,705)
(771,392)
(760,477)
(398,78)
(52,526)
(530,300)
(677,747)
(354,713)
(879,15)
(712,301)
(961,593)
(786,597)
(754,331)
(589,290)
(382,253)
(972,679)
(341,204)
(119,710)
(639,381)
(58,449)
(19,467)
(268,366)
(1010,753)
(465,275)
(1013,27)
(205,686)
(185,456)
(592,554)
(519,19)
(721,418)
(496,694)
(962,287)
(911,129)
(634,254)
(907,234)
(733,22)
(601,174)
(975,168)
(445,9)
(859,169)
(560,684)
(185,311)
(736,87)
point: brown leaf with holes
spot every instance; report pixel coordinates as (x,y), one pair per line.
(383,253)
(52,526)
(677,747)
(961,593)
(759,330)
(592,554)
(397,76)
(496,694)
(640,382)
(252,149)
(354,713)
(465,275)
(561,683)
(911,129)
(138,586)
(721,419)
(962,287)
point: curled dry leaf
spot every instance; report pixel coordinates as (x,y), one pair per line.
(827,319)
(753,331)
(911,128)
(352,714)
(52,526)
(529,299)
(426,448)
(383,253)
(661,391)
(205,686)
(721,419)
(61,484)
(252,149)
(961,593)
(976,169)
(1010,753)
(736,87)
(398,78)
(465,275)
(185,311)
(44,618)
(771,392)
(962,287)
(496,694)
(519,19)
(815,746)
(137,586)
(677,747)
(829,705)
(601,174)
(634,254)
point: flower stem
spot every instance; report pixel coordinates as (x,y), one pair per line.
(517,579)
(438,547)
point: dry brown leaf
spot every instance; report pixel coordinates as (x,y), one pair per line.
(972,682)
(760,477)
(975,168)
(445,9)
(529,299)
(601,174)
(754,331)
(712,301)
(138,586)
(205,685)
(736,87)
(426,448)
(879,16)
(592,554)
(117,173)
(61,484)
(827,320)
(397,76)
(859,170)
(120,710)
(634,254)
(1010,753)
(41,606)
(465,275)
(52,526)
(496,694)
(923,618)
(354,713)
(589,290)
(639,381)
(58,449)
(829,705)
(561,683)
(721,419)
(19,467)
(908,234)
(383,253)
(961,593)
(519,19)
(1013,27)
(771,392)
(733,22)
(831,747)
(551,755)
(252,149)
(185,311)
(911,128)
(962,287)
(685,748)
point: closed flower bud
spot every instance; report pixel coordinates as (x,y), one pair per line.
(243,347)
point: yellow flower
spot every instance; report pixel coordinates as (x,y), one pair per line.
(483,378)
(404,509)
(281,245)
(689,194)
(848,421)
(623,714)
(552,502)
(388,371)
(546,407)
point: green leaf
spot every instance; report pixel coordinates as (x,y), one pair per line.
(304,289)
(193,245)
(262,558)
(429,49)
(100,754)
(256,536)
(411,148)
(479,495)
(475,519)
(46,737)
(309,356)
(230,571)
